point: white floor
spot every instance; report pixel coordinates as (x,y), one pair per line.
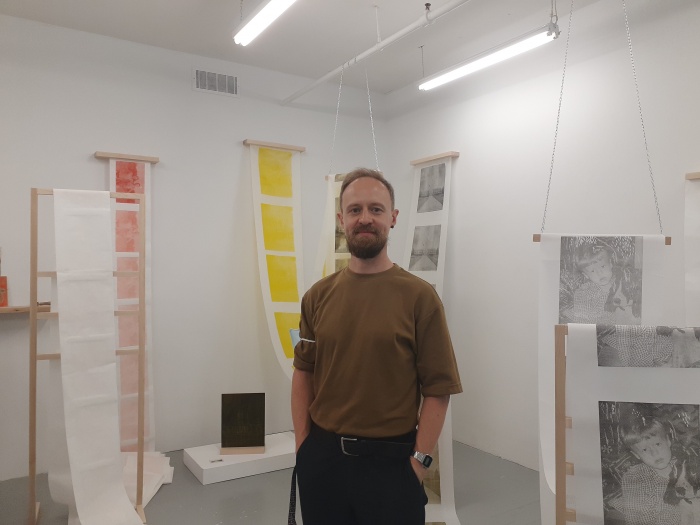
(488,491)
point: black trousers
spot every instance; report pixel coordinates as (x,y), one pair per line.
(338,489)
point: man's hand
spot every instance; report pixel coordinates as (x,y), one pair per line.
(419,469)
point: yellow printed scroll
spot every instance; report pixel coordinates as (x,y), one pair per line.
(276,173)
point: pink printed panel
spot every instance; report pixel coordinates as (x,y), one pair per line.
(127,237)
(130,178)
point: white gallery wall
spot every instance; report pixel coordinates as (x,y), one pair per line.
(68,94)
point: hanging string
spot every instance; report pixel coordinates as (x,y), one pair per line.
(641,116)
(371,120)
(337,112)
(422,61)
(561,97)
(241,10)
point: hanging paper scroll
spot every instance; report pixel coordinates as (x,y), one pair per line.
(129,176)
(276,188)
(333,253)
(692,249)
(592,279)
(85,290)
(635,425)
(424,256)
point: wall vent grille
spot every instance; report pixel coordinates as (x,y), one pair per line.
(211,82)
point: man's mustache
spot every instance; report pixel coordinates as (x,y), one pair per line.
(365,229)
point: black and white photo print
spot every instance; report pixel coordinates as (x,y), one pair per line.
(600,280)
(648,346)
(649,458)
(432,188)
(425,253)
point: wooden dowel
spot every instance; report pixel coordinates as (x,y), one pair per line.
(123,156)
(569,469)
(570,515)
(693,176)
(446,155)
(537,237)
(112,194)
(251,142)
(54,357)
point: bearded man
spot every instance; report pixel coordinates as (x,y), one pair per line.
(374,344)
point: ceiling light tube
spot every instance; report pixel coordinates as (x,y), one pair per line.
(266,13)
(495,55)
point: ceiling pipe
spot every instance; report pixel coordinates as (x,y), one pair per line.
(429,17)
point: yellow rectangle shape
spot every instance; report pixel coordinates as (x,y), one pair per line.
(282,273)
(275,167)
(278,227)
(285,322)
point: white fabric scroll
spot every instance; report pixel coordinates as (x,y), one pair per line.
(88,363)
(652,265)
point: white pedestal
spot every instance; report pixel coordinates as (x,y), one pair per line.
(209,466)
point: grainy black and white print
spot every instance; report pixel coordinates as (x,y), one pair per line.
(648,346)
(425,253)
(649,459)
(600,280)
(341,243)
(431,193)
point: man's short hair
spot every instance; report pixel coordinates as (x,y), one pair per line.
(359,173)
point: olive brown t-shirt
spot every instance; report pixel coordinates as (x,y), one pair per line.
(375,343)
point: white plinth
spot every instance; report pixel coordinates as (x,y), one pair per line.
(209,466)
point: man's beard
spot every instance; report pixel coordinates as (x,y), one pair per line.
(366,247)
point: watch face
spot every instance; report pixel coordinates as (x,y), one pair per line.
(425,459)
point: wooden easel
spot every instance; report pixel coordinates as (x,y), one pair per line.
(34,357)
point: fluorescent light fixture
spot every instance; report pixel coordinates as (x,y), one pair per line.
(495,55)
(266,13)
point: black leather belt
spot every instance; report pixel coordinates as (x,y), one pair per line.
(393,447)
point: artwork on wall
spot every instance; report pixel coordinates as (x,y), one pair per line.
(424,257)
(132,176)
(333,254)
(427,222)
(595,279)
(276,187)
(635,429)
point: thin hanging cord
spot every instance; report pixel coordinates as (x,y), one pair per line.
(641,116)
(376,16)
(241,10)
(337,112)
(422,61)
(371,120)
(561,97)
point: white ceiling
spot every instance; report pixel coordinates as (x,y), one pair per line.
(312,38)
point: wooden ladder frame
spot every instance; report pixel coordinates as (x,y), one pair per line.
(561,423)
(34,357)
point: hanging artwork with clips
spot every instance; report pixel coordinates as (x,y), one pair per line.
(605,278)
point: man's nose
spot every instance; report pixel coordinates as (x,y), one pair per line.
(365,217)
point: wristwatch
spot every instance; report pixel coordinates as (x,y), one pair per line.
(424,459)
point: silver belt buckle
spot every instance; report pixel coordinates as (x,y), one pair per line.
(342,445)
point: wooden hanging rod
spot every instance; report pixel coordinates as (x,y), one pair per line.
(250,142)
(112,194)
(693,176)
(123,156)
(447,154)
(115,274)
(537,237)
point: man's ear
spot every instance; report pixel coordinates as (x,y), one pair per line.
(394,214)
(340,218)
